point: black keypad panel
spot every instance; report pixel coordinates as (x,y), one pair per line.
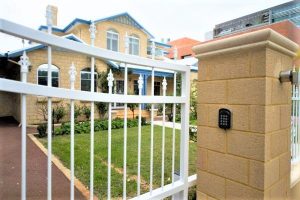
(224,118)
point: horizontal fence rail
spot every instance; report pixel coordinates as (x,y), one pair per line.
(178,188)
(39,90)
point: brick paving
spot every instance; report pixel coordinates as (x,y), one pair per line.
(10,168)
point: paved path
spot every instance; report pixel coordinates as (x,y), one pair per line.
(10,168)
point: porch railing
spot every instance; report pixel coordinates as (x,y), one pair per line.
(178,188)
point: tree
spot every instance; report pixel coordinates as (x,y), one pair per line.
(132,107)
(102,108)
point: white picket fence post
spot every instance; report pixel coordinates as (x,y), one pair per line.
(93,31)
(72,73)
(110,79)
(24,63)
(49,124)
(295,126)
(164,87)
(125,121)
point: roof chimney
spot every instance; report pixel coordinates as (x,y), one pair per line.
(54,11)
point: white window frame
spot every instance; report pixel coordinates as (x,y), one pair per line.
(88,72)
(115,106)
(130,46)
(113,32)
(44,67)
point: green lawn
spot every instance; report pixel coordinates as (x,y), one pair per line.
(61,148)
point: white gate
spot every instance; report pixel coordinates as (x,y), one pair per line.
(178,188)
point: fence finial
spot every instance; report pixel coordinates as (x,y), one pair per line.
(153,49)
(49,16)
(72,73)
(93,30)
(110,79)
(164,84)
(140,84)
(24,63)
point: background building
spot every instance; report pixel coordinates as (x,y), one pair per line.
(284,19)
(121,33)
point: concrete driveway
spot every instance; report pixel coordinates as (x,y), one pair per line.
(10,168)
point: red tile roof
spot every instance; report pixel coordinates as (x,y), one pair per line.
(184,47)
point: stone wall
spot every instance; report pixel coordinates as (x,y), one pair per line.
(252,159)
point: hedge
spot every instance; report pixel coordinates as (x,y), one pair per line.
(85,127)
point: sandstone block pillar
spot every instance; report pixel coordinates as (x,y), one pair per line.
(252,159)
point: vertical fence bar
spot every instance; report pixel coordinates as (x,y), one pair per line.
(184,138)
(125,121)
(164,84)
(293,131)
(72,73)
(298,122)
(152,119)
(152,130)
(125,135)
(110,80)
(173,131)
(49,80)
(24,62)
(92,36)
(140,86)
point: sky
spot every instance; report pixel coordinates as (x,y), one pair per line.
(162,18)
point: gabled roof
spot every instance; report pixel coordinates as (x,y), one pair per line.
(33,47)
(123,18)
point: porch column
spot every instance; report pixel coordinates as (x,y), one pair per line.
(251,160)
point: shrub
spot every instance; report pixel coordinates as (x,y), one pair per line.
(77,112)
(143,121)
(65,128)
(178,118)
(193,101)
(102,108)
(42,130)
(87,112)
(148,107)
(99,125)
(160,108)
(59,112)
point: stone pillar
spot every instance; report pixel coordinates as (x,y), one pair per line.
(252,159)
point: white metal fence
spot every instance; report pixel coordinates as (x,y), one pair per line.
(178,188)
(295,125)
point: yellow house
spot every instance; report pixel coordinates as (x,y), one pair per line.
(112,33)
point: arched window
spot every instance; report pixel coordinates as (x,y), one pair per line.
(42,75)
(112,40)
(134,45)
(85,76)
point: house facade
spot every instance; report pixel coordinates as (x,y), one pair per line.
(121,33)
